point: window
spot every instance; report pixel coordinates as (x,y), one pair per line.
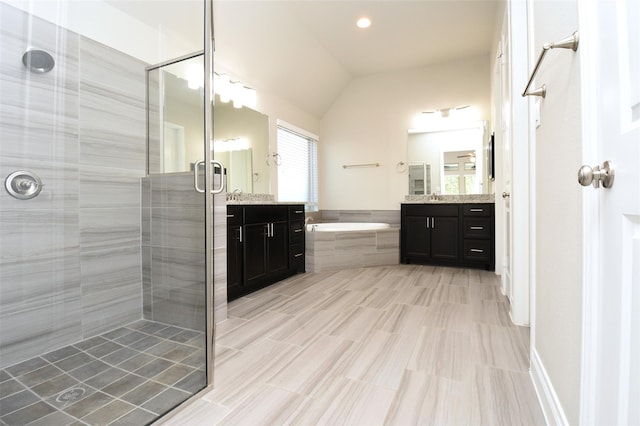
(297,166)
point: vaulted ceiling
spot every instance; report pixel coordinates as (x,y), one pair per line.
(307,51)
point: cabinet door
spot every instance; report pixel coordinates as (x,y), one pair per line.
(417,238)
(278,245)
(444,238)
(235,286)
(255,254)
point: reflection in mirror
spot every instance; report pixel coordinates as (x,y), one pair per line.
(419,178)
(241,143)
(453,161)
(241,135)
(175,116)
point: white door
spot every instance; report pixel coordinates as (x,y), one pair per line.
(610,55)
(507,161)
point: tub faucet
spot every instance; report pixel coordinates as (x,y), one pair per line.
(307,220)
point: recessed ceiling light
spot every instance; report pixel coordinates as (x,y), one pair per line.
(364,23)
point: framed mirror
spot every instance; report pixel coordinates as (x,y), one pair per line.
(451,161)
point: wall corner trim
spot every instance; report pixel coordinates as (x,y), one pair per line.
(547,397)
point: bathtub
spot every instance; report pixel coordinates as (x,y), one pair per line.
(346,226)
(348,245)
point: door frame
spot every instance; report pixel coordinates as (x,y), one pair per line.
(522,183)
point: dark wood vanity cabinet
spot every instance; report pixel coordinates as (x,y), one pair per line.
(260,248)
(430,232)
(478,234)
(447,234)
(235,275)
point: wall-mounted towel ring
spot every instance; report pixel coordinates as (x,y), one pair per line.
(401,167)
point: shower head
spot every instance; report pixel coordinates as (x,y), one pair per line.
(38,61)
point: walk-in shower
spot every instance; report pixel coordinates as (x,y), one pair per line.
(105,303)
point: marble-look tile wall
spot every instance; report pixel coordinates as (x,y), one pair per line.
(333,251)
(391,217)
(172,252)
(69,258)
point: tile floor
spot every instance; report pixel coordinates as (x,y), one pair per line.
(127,376)
(393,345)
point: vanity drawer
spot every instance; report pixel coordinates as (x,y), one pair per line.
(296,257)
(477,210)
(296,212)
(296,232)
(430,209)
(265,214)
(479,228)
(234,215)
(477,250)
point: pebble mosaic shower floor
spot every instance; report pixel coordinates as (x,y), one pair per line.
(127,376)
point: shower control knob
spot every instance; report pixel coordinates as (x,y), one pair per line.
(23,185)
(588,175)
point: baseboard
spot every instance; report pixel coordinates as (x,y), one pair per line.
(551,407)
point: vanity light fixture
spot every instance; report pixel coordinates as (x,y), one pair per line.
(446,116)
(235,92)
(227,145)
(363,22)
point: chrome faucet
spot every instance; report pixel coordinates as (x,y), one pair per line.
(307,220)
(235,195)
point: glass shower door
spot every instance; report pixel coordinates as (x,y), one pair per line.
(104,288)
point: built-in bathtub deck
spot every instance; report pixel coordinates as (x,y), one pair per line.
(332,251)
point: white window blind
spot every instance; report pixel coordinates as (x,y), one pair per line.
(298,168)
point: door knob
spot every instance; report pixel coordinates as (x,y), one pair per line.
(506,195)
(595,175)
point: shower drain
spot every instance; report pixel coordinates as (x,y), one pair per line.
(70,395)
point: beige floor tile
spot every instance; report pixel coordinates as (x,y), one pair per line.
(254,330)
(248,308)
(451,293)
(500,397)
(416,296)
(443,353)
(378,298)
(404,319)
(450,316)
(344,402)
(315,364)
(248,370)
(491,312)
(267,405)
(396,345)
(355,323)
(380,359)
(499,347)
(198,413)
(305,327)
(429,400)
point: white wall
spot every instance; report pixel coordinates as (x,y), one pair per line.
(558,209)
(368,123)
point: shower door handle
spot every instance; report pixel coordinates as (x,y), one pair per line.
(215,164)
(196,167)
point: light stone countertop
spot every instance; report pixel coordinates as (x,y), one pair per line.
(248,199)
(450,199)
